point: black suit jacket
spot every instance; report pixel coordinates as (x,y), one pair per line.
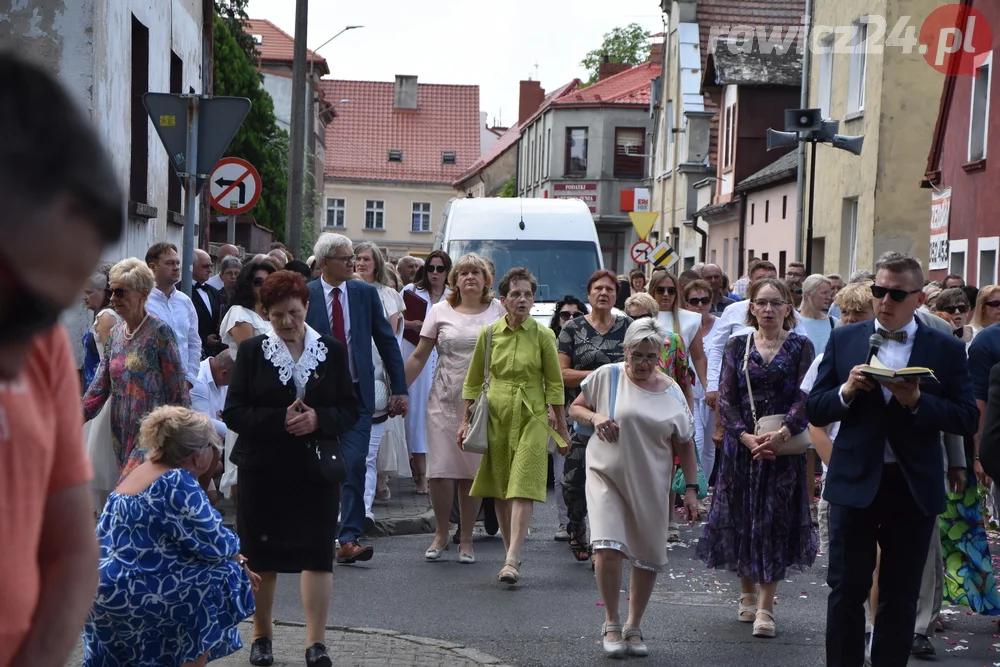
(855,469)
(209,319)
(257,402)
(989,443)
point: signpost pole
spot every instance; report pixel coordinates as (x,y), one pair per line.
(231,229)
(190,193)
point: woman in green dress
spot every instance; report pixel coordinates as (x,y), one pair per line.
(525,380)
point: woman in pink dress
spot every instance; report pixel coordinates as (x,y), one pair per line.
(452,328)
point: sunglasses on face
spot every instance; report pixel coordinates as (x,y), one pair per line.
(258,281)
(23,312)
(992,304)
(897,295)
(437,269)
(796,291)
(963,308)
(700,300)
(565,315)
(118,292)
(660,291)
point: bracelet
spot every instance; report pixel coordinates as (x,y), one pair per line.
(690,487)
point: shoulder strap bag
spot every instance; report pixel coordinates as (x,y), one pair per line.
(797,444)
(476,441)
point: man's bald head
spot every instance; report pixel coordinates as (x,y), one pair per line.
(225,250)
(202,269)
(407,268)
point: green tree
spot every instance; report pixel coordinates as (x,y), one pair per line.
(509,188)
(622,45)
(259,140)
(234,13)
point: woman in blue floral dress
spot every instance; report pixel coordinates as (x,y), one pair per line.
(759,524)
(173,586)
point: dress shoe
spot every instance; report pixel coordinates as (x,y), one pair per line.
(435,554)
(316,656)
(260,652)
(633,642)
(612,649)
(354,552)
(922,647)
(370,527)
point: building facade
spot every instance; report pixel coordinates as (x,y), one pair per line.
(770,199)
(488,176)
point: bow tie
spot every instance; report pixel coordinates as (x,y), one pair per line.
(898,336)
(959,333)
(199,285)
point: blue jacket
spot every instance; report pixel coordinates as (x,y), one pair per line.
(367,323)
(855,469)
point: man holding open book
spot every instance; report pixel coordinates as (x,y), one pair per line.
(884,482)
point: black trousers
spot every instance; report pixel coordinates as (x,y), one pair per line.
(895,522)
(574,485)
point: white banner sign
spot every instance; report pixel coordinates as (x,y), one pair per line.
(641,202)
(940,211)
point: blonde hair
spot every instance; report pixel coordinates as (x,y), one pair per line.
(135,273)
(985,294)
(644,301)
(854,296)
(813,283)
(654,282)
(471,261)
(170,434)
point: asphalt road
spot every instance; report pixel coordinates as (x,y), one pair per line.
(553,617)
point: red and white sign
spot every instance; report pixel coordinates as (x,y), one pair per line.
(635,200)
(234,186)
(584,191)
(940,212)
(640,252)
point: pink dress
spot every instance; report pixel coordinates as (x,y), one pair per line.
(456,335)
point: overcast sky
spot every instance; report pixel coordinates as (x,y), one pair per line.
(463,41)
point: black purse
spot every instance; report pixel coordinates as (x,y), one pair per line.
(326,464)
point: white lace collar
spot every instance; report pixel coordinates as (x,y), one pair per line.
(277,353)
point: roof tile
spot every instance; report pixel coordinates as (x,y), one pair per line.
(278,46)
(506,141)
(628,87)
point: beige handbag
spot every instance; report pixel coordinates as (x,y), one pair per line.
(476,441)
(797,444)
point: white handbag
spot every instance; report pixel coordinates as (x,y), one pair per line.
(476,440)
(798,443)
(97,438)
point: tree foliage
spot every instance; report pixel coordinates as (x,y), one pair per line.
(509,188)
(234,13)
(622,45)
(259,140)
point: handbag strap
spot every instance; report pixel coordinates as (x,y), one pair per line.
(489,344)
(615,370)
(746,371)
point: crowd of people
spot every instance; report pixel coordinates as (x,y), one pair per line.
(287,384)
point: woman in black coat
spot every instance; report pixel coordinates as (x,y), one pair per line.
(288,390)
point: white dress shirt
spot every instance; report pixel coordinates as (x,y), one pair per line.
(177,312)
(808,381)
(216,282)
(204,297)
(344,306)
(209,399)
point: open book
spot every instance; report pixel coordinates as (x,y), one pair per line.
(879,371)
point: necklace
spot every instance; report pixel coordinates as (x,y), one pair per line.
(770,346)
(129,335)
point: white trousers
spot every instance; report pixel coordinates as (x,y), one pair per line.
(371,473)
(704,427)
(558,466)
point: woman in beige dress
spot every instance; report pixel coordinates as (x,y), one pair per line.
(452,327)
(640,418)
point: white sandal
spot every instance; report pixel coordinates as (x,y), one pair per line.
(612,649)
(633,642)
(748,612)
(763,627)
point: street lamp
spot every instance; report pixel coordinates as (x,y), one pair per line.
(808,126)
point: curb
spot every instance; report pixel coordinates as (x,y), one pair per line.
(460,650)
(422,524)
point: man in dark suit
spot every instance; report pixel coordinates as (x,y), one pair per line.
(351,311)
(207,304)
(885,478)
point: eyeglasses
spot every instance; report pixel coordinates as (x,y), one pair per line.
(437,269)
(764,303)
(700,300)
(638,359)
(118,292)
(660,290)
(897,295)
(346,259)
(565,315)
(206,266)
(25,313)
(961,308)
(258,281)
(992,304)
(796,291)
(514,296)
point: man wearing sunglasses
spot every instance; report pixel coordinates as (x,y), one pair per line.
(884,482)
(61,207)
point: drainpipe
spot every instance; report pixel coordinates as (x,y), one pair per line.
(704,238)
(742,237)
(804,103)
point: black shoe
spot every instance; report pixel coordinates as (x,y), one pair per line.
(316,656)
(457,537)
(922,647)
(490,521)
(260,652)
(371,529)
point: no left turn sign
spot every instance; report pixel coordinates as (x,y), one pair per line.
(234,186)
(640,252)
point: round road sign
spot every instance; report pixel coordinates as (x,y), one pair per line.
(234,186)
(640,252)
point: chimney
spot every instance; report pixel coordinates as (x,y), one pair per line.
(606,69)
(529,100)
(406,92)
(656,53)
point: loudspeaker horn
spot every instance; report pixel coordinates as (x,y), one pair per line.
(828,131)
(849,144)
(777,139)
(803,120)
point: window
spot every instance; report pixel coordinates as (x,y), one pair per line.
(958,251)
(630,143)
(395,155)
(767,211)
(725,254)
(449,157)
(859,67)
(784,207)
(729,136)
(851,209)
(335,212)
(763,256)
(750,255)
(979,117)
(988,248)
(712,258)
(824,87)
(138,176)
(374,214)
(173,181)
(782,260)
(576,151)
(753,212)
(541,159)
(421,220)
(548,152)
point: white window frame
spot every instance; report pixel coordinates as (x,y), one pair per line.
(377,208)
(341,208)
(824,87)
(856,80)
(414,211)
(956,246)
(852,262)
(988,243)
(987,62)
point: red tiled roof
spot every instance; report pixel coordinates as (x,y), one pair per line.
(359,139)
(628,87)
(278,46)
(507,140)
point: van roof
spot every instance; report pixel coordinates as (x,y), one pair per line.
(499,218)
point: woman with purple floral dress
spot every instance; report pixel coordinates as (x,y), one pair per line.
(759,524)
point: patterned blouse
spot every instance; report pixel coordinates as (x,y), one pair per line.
(674,361)
(588,349)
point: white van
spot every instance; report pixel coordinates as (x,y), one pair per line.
(553,238)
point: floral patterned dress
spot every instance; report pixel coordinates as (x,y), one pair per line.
(137,376)
(759,523)
(968,574)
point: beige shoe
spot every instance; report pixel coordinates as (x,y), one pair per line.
(612,649)
(633,642)
(748,611)
(763,625)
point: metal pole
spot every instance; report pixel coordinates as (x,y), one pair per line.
(307,209)
(812,205)
(231,230)
(800,186)
(297,143)
(190,193)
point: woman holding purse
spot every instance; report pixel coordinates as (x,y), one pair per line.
(759,523)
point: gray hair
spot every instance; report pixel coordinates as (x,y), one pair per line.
(646,329)
(898,262)
(135,273)
(410,258)
(230,262)
(100,276)
(862,276)
(225,360)
(170,434)
(381,274)
(814,282)
(834,276)
(327,241)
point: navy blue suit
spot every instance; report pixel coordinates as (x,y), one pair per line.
(895,505)
(367,323)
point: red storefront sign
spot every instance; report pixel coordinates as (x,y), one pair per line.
(586,192)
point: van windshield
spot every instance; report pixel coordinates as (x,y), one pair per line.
(561,267)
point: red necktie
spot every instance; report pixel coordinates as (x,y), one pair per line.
(337,318)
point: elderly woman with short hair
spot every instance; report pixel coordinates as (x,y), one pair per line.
(641,422)
(141,369)
(955,304)
(229,271)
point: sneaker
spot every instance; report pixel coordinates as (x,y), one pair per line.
(562,535)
